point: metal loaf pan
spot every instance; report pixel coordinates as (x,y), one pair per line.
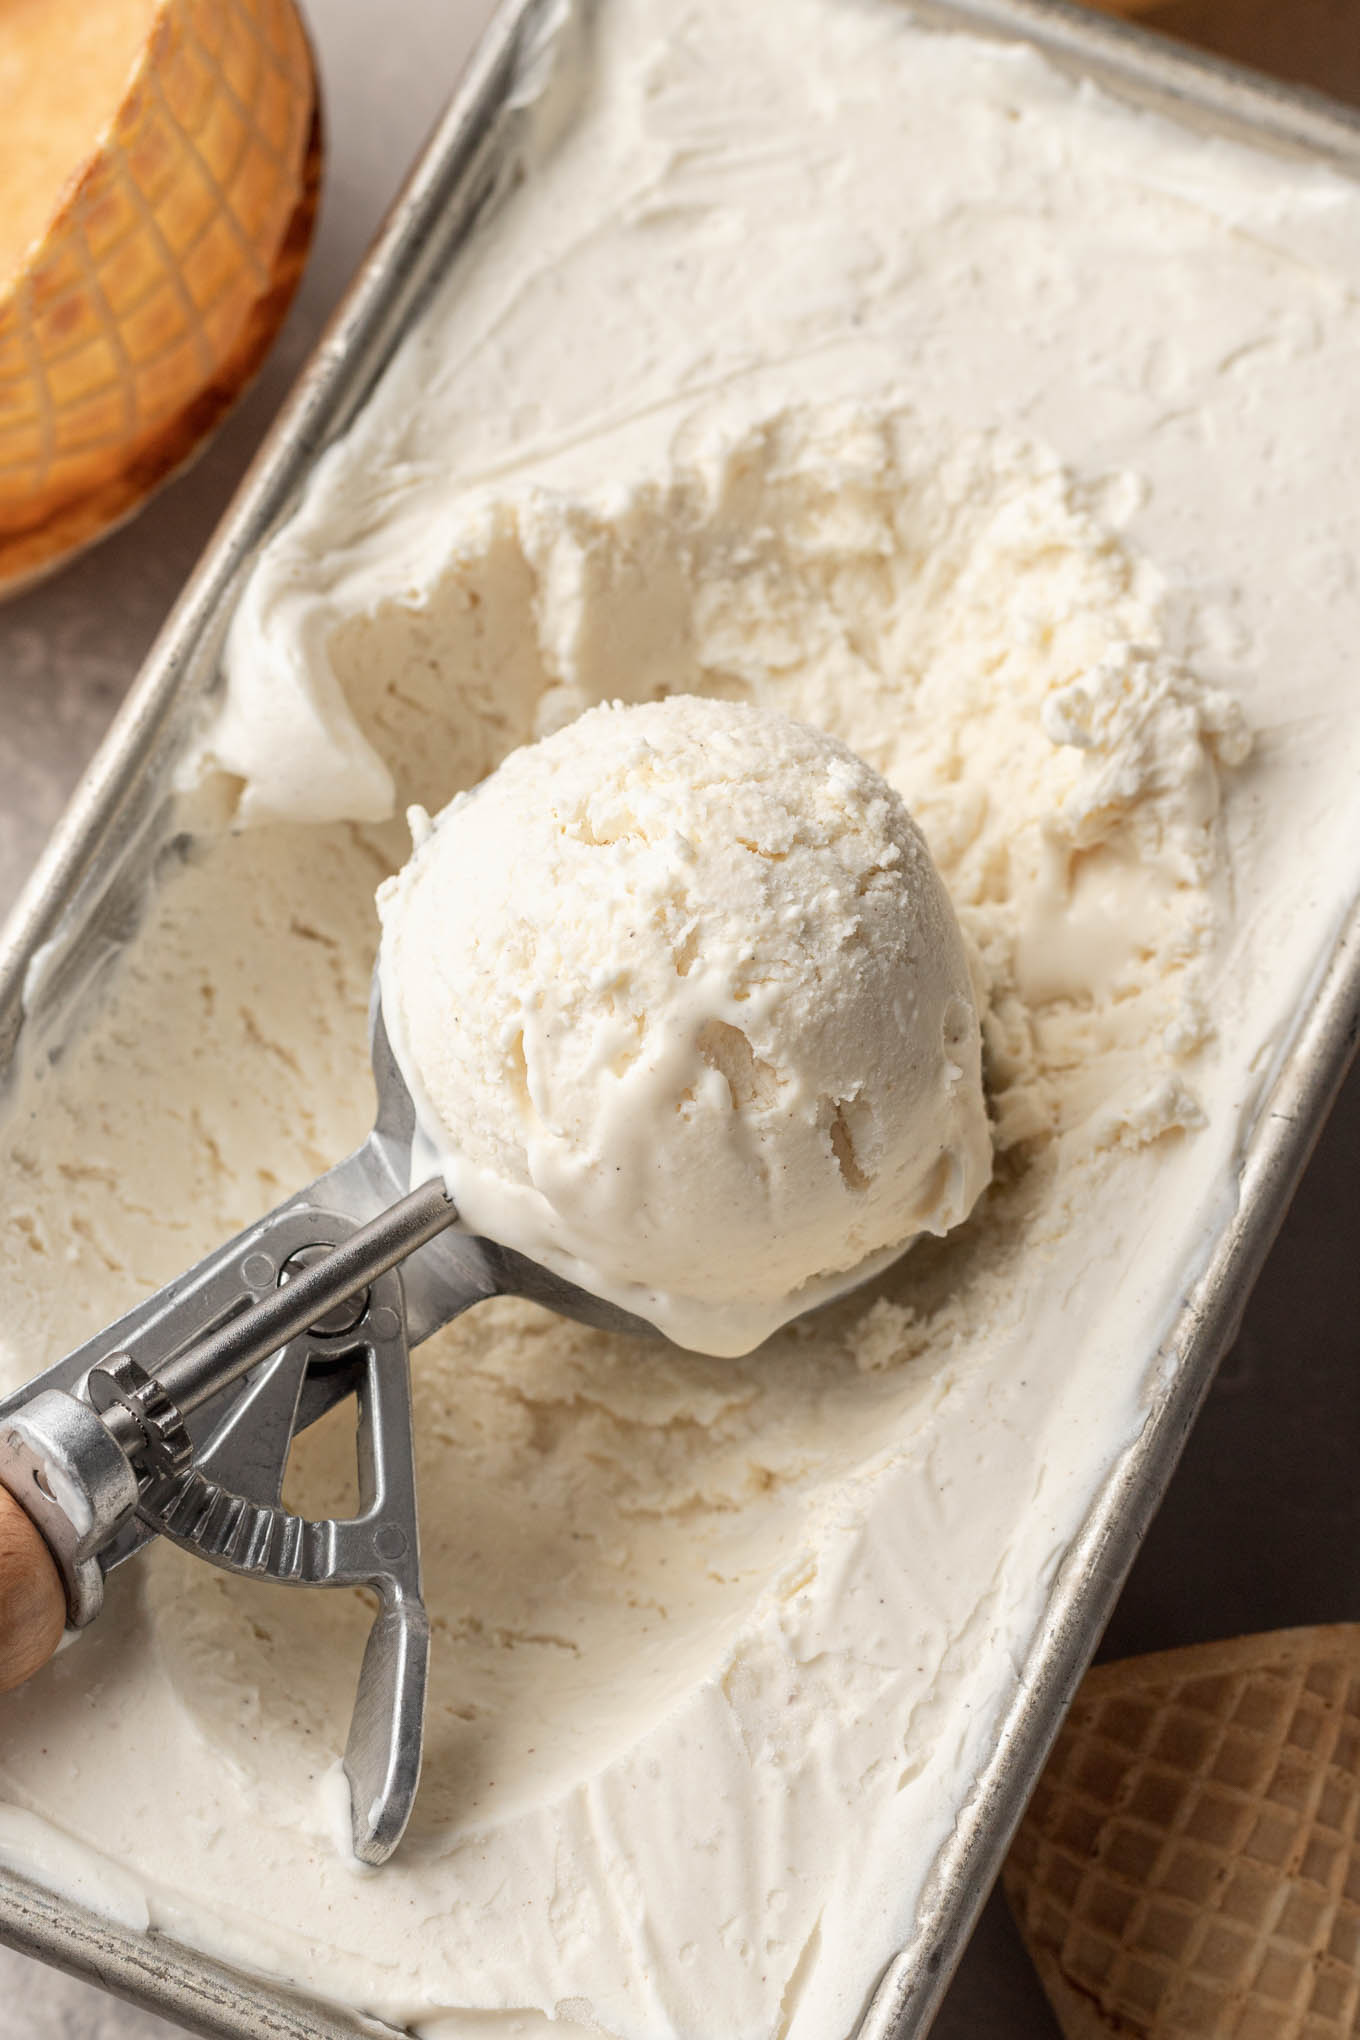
(84,895)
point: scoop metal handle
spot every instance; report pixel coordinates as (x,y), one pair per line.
(177,1421)
(305,1299)
(98,1460)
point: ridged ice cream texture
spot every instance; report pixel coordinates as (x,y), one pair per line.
(714,1638)
(687,1016)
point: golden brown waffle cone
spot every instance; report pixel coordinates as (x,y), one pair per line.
(1189,1867)
(151,298)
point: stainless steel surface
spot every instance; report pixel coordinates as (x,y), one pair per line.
(222,1498)
(200,1992)
(227,1508)
(152,1972)
(140,1418)
(60,1464)
(342,1315)
(329,1277)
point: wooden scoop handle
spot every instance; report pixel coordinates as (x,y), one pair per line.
(32,1597)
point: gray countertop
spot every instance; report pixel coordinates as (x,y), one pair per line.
(1262,1519)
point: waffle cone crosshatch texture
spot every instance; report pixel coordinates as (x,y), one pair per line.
(1189,1867)
(149,296)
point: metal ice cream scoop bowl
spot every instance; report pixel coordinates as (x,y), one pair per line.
(178,1420)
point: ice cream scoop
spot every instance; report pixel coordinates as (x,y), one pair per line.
(178,1420)
(686,1016)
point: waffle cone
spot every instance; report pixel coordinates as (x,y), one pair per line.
(1189,1867)
(136,316)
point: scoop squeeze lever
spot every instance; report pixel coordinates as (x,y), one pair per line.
(178,1420)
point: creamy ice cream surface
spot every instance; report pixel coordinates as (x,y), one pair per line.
(687,1016)
(892,381)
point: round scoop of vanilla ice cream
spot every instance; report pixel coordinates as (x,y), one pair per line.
(687,1017)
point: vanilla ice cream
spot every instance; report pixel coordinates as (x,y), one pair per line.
(686,1015)
(892,380)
